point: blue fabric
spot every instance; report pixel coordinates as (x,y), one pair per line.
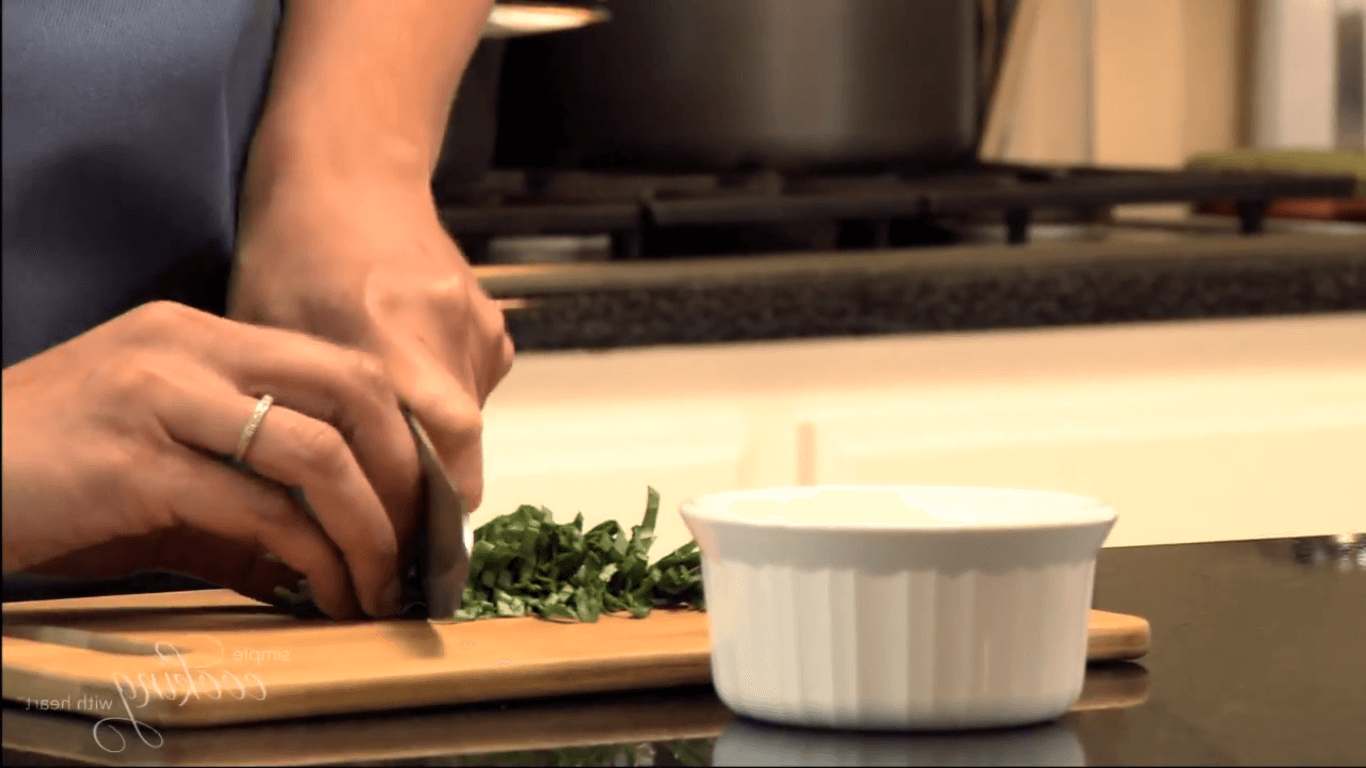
(126,125)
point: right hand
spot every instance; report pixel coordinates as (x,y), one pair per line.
(113,447)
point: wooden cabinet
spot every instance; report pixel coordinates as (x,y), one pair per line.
(1133,83)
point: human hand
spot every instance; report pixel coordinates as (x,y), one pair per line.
(113,448)
(369,266)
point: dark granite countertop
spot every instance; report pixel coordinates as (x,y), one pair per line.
(853,293)
(1257,658)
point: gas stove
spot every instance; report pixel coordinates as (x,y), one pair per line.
(591,260)
(556,216)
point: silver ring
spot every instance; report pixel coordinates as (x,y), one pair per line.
(249,431)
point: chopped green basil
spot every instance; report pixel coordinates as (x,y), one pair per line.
(524,563)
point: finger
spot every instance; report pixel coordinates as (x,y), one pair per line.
(345,388)
(299,451)
(449,319)
(251,573)
(108,559)
(498,348)
(461,453)
(437,373)
(240,566)
(451,417)
(506,354)
(489,346)
(183,550)
(454,326)
(210,497)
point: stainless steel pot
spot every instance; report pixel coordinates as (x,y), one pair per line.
(734,84)
(471,127)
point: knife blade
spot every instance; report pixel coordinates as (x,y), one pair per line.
(447,536)
(88,640)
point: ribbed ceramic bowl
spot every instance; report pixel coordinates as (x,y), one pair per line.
(898,607)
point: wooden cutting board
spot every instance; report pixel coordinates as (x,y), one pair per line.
(187,659)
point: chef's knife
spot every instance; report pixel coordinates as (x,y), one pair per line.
(448,537)
(93,641)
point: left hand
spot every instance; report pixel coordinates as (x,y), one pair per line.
(369,266)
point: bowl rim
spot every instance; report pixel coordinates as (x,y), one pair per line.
(1091,511)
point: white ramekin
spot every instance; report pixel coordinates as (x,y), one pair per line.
(898,607)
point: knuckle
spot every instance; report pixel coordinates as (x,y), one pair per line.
(452,293)
(134,378)
(162,314)
(473,426)
(497,319)
(370,375)
(508,357)
(502,344)
(273,509)
(458,421)
(321,449)
(386,297)
(157,323)
(264,504)
(381,302)
(492,316)
(465,423)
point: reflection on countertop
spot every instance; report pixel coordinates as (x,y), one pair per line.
(1345,551)
(577,730)
(745,742)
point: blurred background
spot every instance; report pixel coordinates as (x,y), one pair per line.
(1164,80)
(749,243)
(594,102)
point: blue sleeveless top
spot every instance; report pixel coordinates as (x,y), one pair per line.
(126,125)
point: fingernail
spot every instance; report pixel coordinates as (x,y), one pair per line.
(389,604)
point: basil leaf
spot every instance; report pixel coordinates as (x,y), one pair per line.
(525,562)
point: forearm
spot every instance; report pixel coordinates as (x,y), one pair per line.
(361,90)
